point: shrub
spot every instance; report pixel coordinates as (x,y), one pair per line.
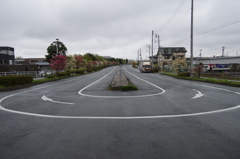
(50,75)
(15,80)
(134,66)
(61,74)
(95,69)
(89,69)
(129,87)
(184,74)
(154,70)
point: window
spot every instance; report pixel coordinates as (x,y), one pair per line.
(34,60)
(167,57)
(3,51)
(10,52)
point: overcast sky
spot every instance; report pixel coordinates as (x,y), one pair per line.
(119,28)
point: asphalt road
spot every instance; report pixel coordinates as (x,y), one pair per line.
(79,118)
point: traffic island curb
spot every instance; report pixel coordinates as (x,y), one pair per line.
(121,83)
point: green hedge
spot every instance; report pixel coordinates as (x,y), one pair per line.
(78,71)
(15,80)
(89,69)
(184,74)
(66,73)
(128,88)
(95,68)
(154,70)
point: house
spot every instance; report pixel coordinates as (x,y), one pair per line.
(7,55)
(171,58)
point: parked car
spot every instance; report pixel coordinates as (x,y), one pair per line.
(41,73)
(49,72)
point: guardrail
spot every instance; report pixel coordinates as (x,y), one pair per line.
(30,73)
(34,74)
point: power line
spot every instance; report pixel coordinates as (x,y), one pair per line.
(172,16)
(200,3)
(218,27)
(210,30)
(183,17)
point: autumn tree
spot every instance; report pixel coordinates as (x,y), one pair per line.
(58,62)
(79,61)
(56,48)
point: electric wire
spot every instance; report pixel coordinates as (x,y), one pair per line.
(184,16)
(165,25)
(210,30)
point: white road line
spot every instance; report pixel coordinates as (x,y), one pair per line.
(148,95)
(198,95)
(50,100)
(134,117)
(117,118)
(136,70)
(207,86)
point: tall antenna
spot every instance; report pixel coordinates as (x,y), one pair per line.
(223,51)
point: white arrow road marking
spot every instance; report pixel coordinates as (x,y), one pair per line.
(50,100)
(198,95)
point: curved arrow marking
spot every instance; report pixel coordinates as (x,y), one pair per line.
(50,100)
(198,95)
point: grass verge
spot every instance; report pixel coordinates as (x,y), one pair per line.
(208,80)
(35,82)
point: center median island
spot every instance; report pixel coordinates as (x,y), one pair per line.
(121,82)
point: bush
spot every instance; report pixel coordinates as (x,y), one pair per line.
(61,74)
(154,70)
(134,66)
(50,75)
(184,74)
(95,69)
(89,69)
(80,71)
(128,88)
(15,80)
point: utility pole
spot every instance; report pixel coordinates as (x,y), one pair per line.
(158,40)
(200,53)
(223,51)
(140,55)
(149,49)
(191,43)
(152,46)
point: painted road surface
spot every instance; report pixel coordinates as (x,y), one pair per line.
(79,118)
